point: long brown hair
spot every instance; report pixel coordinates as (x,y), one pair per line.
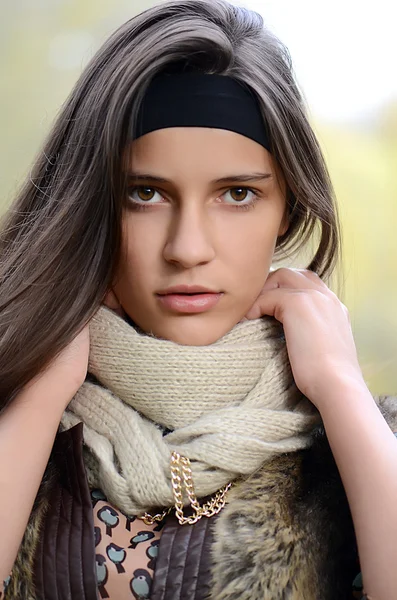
(60,240)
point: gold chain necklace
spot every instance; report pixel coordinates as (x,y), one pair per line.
(181,475)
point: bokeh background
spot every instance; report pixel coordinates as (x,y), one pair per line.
(344,53)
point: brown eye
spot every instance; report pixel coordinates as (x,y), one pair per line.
(240,197)
(142,195)
(238,194)
(145,193)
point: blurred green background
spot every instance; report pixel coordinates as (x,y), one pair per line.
(46,43)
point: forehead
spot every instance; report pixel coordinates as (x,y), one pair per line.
(200,149)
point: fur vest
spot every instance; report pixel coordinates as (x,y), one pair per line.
(285,534)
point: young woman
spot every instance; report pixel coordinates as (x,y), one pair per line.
(223,443)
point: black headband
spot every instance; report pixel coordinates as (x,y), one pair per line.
(199,100)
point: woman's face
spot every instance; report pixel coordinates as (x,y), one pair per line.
(205,211)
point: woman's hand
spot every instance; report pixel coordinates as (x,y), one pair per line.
(317,329)
(67,371)
(111,301)
(69,368)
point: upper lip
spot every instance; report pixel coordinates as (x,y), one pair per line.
(187,289)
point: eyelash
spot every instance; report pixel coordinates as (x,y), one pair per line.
(141,207)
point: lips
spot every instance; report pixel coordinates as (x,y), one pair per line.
(188,299)
(187,289)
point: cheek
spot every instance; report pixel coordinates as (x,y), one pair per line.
(251,246)
(250,256)
(138,253)
(252,267)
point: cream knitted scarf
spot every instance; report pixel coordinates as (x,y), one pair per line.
(230,406)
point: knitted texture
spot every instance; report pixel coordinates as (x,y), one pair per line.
(231,406)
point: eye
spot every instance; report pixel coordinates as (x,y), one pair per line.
(143,195)
(240,195)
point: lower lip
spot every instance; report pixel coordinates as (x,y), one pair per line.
(190,304)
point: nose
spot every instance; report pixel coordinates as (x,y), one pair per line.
(189,241)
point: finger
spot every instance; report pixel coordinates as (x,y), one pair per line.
(272,303)
(111,301)
(295,279)
(276,302)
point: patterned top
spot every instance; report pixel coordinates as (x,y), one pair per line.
(125,552)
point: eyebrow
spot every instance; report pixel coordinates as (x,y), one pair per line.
(244,177)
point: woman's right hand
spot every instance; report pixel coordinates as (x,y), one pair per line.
(72,362)
(66,373)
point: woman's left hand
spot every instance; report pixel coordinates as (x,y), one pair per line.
(317,329)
